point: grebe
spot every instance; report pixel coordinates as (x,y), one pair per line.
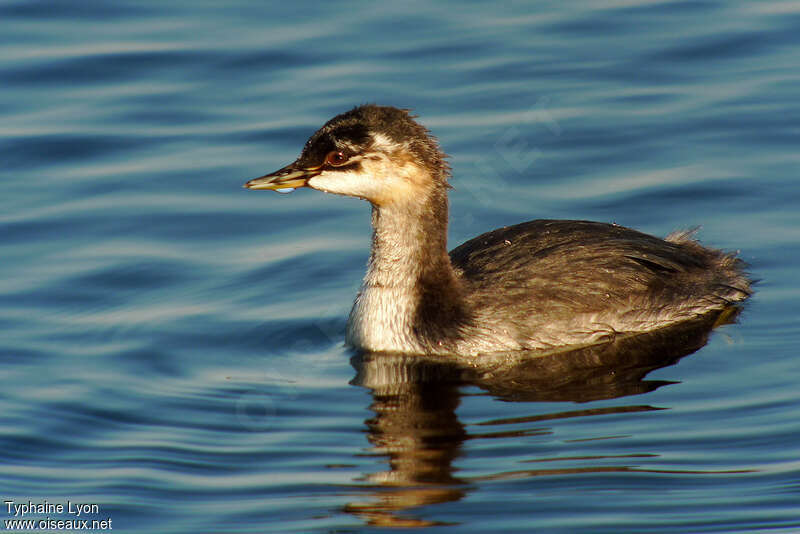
(536,285)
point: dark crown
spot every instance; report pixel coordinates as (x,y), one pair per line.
(352,132)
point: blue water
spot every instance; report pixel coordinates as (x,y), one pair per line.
(172,344)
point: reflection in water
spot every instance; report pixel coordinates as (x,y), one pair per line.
(415,399)
(416,426)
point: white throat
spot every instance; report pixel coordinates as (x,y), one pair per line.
(381,318)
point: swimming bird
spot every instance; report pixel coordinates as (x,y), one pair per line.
(540,284)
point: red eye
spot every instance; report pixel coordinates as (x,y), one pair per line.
(336,158)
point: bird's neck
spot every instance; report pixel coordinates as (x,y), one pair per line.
(410,291)
(409,243)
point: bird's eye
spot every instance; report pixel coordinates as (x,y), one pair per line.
(336,158)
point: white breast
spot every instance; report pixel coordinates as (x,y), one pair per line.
(379,320)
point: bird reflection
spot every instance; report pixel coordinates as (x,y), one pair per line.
(416,428)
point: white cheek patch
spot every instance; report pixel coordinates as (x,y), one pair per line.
(378,180)
(351,183)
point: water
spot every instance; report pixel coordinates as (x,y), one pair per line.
(172,345)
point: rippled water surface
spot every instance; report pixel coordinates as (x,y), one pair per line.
(172,344)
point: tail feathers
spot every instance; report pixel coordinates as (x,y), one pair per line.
(733,283)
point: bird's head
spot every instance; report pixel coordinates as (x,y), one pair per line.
(377,153)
